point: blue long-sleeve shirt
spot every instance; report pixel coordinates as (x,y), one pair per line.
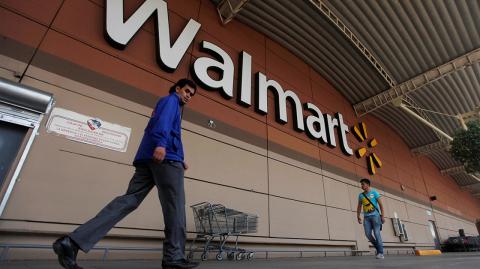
(163,130)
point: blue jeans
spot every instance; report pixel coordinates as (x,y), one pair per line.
(373,224)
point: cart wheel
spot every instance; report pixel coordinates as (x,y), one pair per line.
(239,256)
(204,257)
(250,255)
(231,256)
(219,256)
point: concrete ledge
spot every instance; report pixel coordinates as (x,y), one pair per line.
(23,229)
(427,252)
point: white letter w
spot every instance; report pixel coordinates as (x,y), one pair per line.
(119,33)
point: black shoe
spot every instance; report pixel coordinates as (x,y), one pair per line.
(180,264)
(66,251)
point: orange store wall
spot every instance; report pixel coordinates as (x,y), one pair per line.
(73,30)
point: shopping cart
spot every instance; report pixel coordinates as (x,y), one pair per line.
(215,221)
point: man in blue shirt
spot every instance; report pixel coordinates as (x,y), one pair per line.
(373,215)
(159,162)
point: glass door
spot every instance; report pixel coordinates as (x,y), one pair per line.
(12,137)
(433,231)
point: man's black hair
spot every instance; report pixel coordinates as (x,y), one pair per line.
(181,83)
(365,180)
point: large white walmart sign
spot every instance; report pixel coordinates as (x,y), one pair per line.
(119,33)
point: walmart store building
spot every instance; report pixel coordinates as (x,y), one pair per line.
(296,104)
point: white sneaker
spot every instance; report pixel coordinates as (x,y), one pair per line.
(380,256)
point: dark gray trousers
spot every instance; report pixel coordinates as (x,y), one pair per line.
(168,177)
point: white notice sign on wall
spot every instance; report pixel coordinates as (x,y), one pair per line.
(89,130)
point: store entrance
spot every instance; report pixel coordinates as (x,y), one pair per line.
(21,111)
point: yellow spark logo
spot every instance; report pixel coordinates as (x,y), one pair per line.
(361,134)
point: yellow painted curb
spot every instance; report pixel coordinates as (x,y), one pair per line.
(427,252)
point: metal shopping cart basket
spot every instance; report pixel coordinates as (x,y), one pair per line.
(215,221)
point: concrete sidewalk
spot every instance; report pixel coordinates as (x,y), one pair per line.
(444,261)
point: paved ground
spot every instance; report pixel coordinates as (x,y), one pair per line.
(450,260)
